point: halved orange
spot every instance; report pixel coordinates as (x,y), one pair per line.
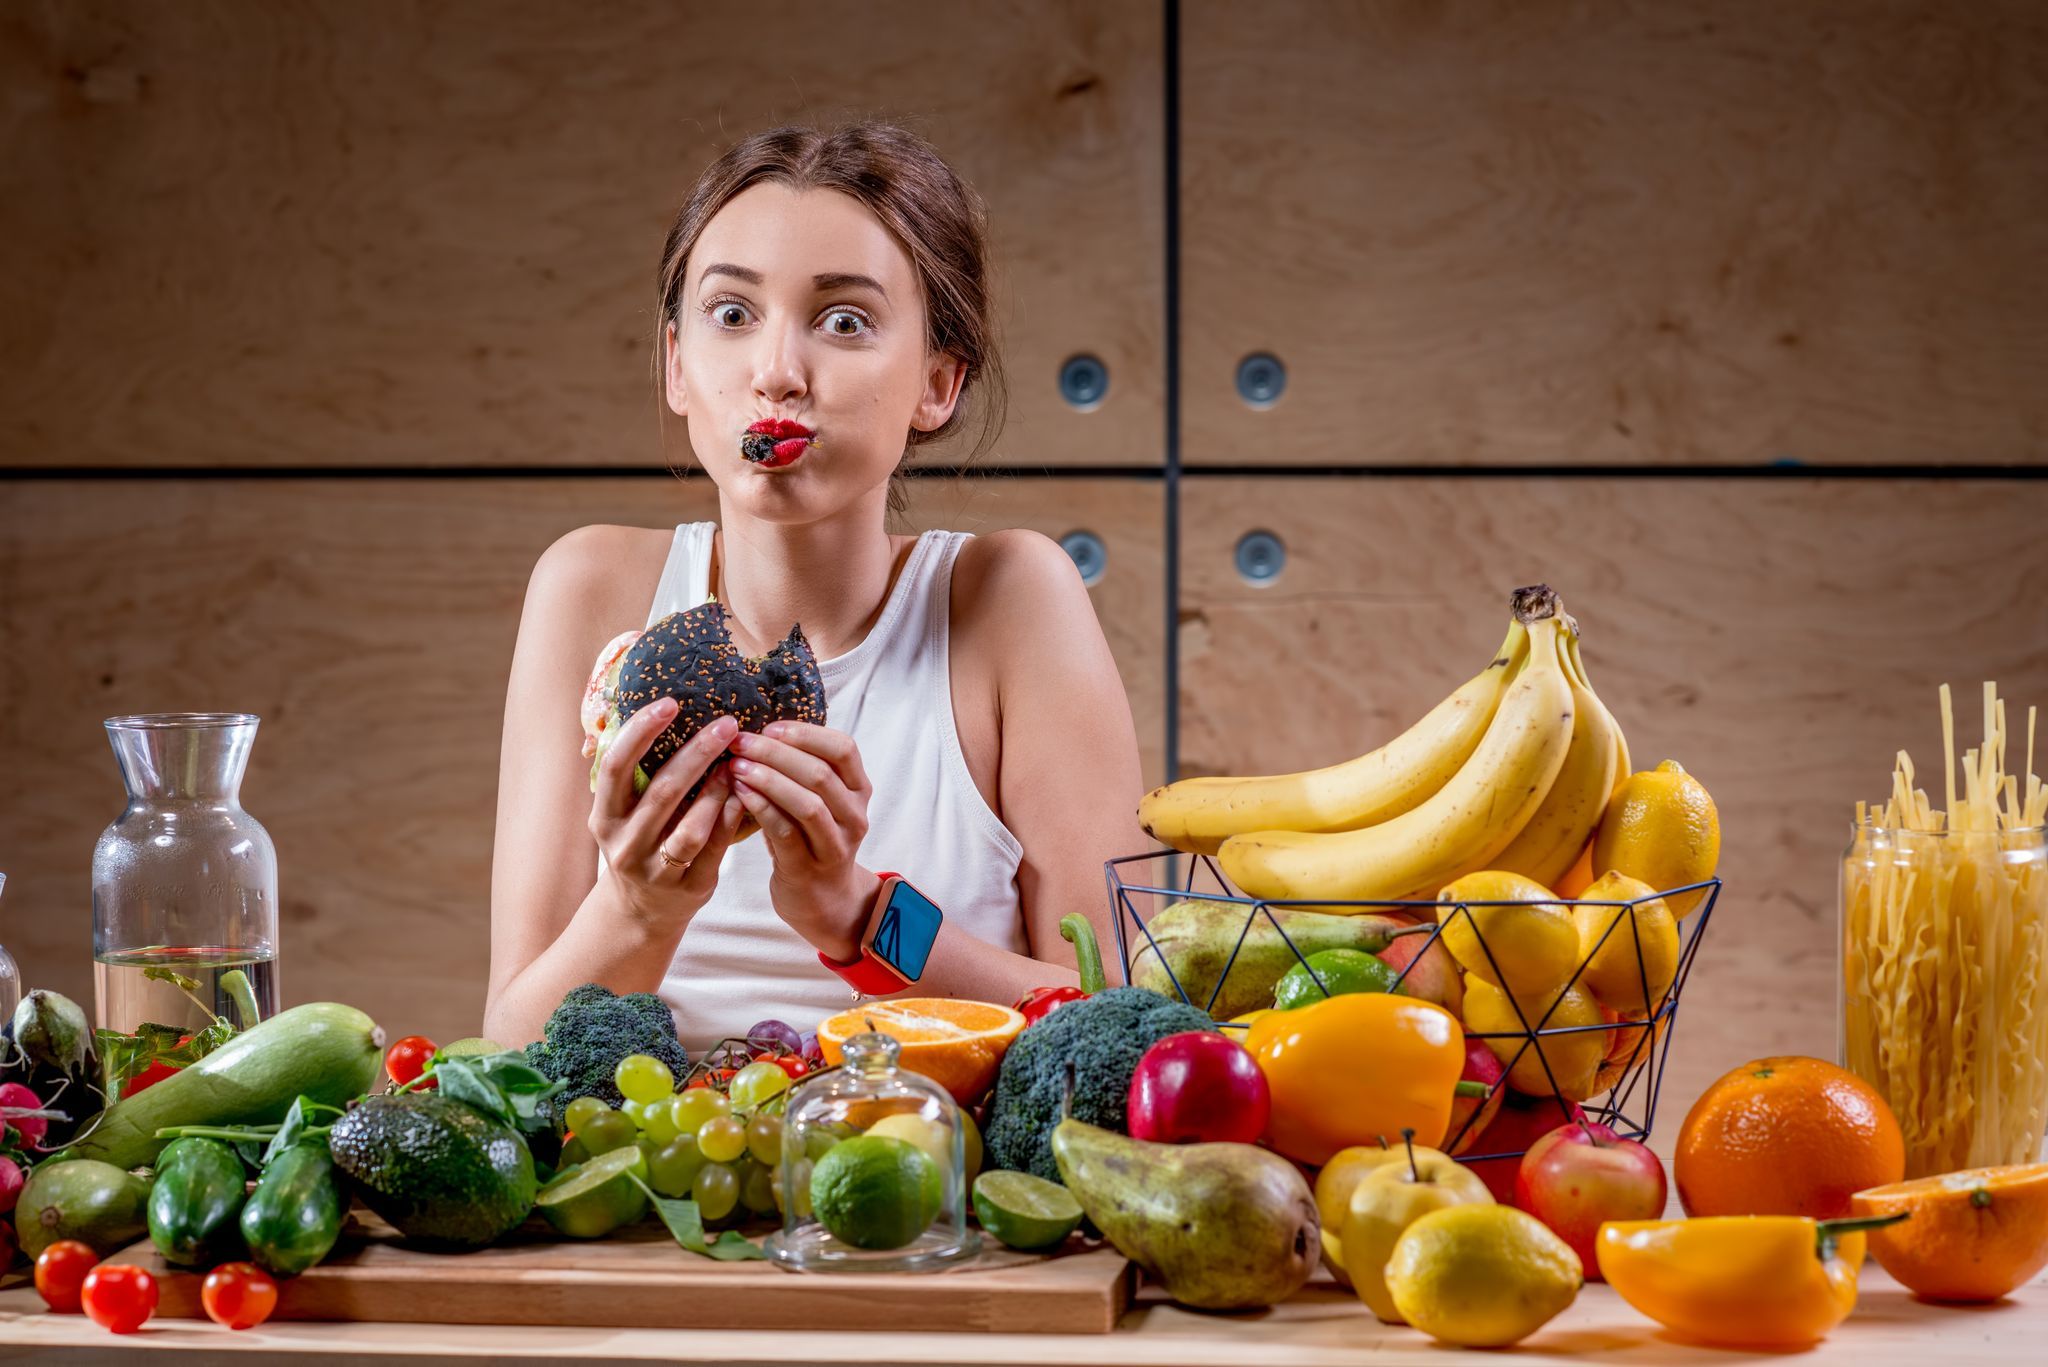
(1974,1235)
(957,1044)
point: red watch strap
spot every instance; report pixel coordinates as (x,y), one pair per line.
(866,973)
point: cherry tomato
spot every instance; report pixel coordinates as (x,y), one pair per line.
(791,1064)
(60,1272)
(118,1297)
(407,1059)
(239,1295)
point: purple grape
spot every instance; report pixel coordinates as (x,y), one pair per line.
(776,1034)
(809,1048)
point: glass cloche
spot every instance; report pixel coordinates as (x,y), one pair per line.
(873,1169)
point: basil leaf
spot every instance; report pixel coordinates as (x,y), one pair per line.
(686,1223)
(288,1133)
(504,1087)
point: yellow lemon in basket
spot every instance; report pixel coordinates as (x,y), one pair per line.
(1632,965)
(1574,1058)
(1529,947)
(1661,827)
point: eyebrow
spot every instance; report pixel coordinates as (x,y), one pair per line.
(831,280)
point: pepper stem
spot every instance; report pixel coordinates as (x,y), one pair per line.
(1079,932)
(1828,1233)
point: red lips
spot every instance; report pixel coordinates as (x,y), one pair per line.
(781,429)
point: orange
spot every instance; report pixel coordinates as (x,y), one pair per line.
(1974,1235)
(957,1044)
(1661,827)
(1785,1136)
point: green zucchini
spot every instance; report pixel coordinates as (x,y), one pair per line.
(322,1050)
(294,1215)
(196,1203)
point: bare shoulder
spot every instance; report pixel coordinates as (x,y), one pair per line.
(1018,580)
(597,581)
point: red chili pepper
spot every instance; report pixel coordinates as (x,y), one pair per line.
(156,1072)
(1041,1002)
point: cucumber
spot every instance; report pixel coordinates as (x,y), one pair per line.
(96,1203)
(294,1215)
(322,1050)
(196,1203)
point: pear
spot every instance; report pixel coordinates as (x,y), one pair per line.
(1221,1226)
(1191,942)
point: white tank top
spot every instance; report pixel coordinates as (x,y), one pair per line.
(739,963)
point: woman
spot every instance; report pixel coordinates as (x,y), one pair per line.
(978,742)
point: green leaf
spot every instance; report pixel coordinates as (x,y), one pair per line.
(288,1133)
(687,1225)
(503,1086)
(165,975)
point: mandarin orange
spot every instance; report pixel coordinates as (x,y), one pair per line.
(1785,1136)
(1974,1235)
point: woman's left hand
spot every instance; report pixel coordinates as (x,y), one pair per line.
(807,788)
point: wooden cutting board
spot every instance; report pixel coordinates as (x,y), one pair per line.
(639,1278)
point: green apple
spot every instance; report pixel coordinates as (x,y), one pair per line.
(1385,1202)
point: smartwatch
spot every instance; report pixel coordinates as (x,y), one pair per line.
(901,928)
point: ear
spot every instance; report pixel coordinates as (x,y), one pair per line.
(941,392)
(672,373)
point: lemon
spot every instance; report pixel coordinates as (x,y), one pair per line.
(1641,951)
(1661,827)
(1024,1211)
(1481,1276)
(935,1139)
(1530,947)
(1574,1058)
(875,1192)
(593,1199)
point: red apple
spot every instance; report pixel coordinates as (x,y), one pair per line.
(1579,1175)
(1198,1087)
(1522,1120)
(1434,977)
(1482,1065)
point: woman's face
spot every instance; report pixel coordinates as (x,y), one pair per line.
(800,307)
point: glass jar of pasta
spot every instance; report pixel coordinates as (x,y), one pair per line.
(1944,982)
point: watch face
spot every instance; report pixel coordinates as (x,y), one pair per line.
(904,934)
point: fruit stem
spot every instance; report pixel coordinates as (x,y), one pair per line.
(1536,603)
(1468,1088)
(1077,931)
(1408,1138)
(1829,1232)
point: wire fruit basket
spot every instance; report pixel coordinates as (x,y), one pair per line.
(1141,886)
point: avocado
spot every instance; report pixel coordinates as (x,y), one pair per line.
(443,1174)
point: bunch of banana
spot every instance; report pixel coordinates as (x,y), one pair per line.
(1513,771)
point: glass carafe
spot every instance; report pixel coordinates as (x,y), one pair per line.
(10,976)
(184,882)
(873,1173)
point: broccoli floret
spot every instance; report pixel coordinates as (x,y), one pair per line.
(592,1030)
(1104,1035)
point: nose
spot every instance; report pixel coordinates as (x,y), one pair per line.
(779,366)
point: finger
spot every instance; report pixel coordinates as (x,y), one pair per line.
(703,872)
(658,805)
(781,831)
(685,836)
(806,769)
(836,748)
(792,801)
(615,771)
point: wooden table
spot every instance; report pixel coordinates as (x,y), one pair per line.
(1321,1326)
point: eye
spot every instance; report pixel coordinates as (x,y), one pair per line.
(719,311)
(836,316)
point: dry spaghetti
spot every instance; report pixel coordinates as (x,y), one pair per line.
(1945,955)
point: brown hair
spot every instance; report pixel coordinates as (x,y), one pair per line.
(904,182)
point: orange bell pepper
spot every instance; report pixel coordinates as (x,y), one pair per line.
(1743,1281)
(1357,1069)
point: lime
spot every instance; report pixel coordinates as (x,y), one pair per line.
(1342,971)
(473,1046)
(875,1192)
(1024,1211)
(595,1198)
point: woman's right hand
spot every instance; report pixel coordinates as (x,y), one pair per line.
(664,862)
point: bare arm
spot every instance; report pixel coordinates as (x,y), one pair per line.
(554,924)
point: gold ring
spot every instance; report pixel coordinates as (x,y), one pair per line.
(671,860)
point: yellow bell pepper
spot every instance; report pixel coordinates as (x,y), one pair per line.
(1747,1281)
(1357,1068)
